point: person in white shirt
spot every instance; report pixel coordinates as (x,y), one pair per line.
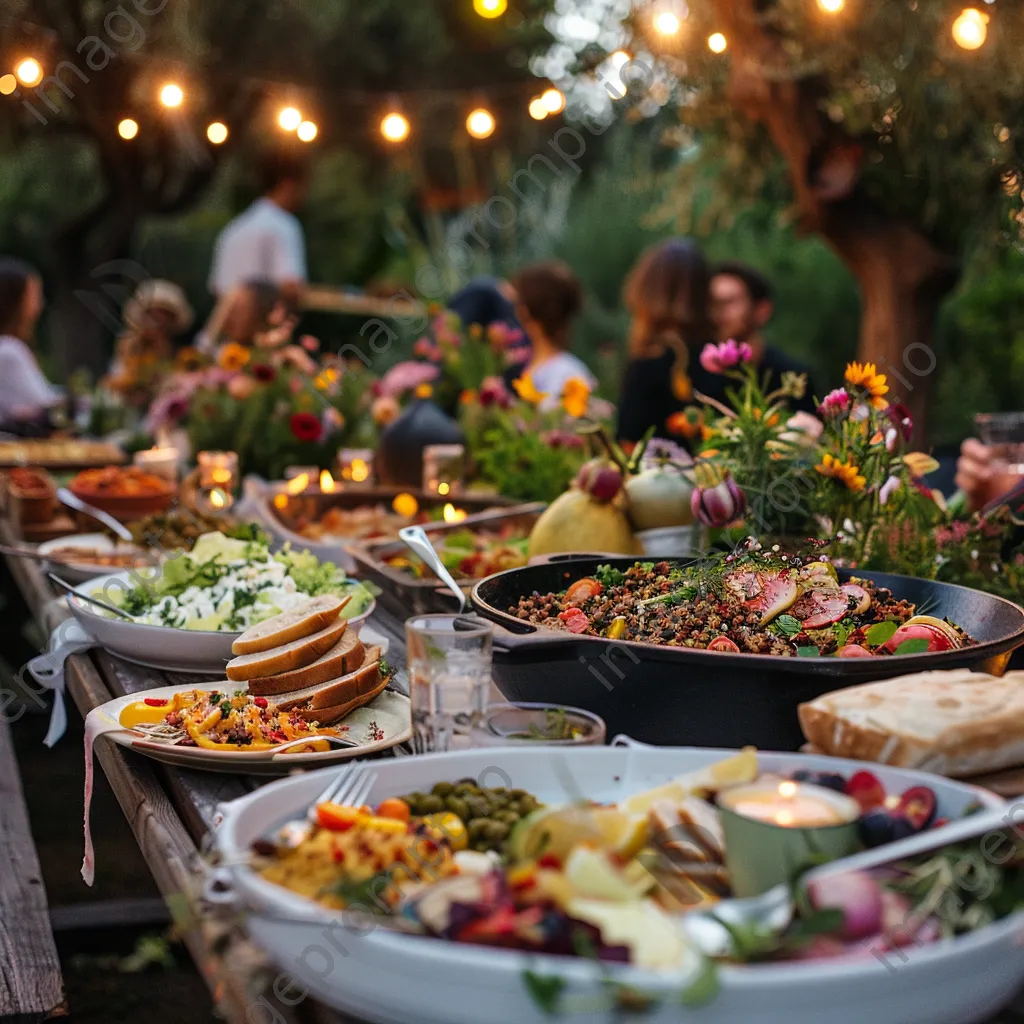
(549,298)
(25,393)
(266,243)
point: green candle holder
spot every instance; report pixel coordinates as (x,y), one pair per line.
(762,854)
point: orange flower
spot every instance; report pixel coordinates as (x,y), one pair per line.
(423,391)
(233,357)
(188,359)
(706,433)
(845,472)
(682,386)
(867,377)
(527,391)
(686,423)
(468,397)
(576,397)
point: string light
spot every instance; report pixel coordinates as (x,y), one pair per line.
(217,132)
(970,28)
(395,127)
(717,43)
(619,58)
(172,95)
(831,6)
(667,23)
(307,131)
(490,8)
(481,124)
(29,71)
(289,119)
(8,83)
(128,128)
(553,100)
(538,108)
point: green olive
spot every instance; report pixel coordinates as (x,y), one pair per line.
(477,827)
(458,806)
(442,789)
(528,804)
(478,807)
(517,794)
(497,831)
(466,788)
(509,817)
(431,804)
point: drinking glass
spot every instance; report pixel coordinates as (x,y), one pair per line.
(1003,432)
(449,659)
(555,725)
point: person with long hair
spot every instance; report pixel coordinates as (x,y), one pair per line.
(26,396)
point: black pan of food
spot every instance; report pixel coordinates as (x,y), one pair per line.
(684,697)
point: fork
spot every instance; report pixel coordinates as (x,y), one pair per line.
(349,788)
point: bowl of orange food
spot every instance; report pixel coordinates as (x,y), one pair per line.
(124,492)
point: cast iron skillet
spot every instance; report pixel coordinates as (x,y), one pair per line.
(681,697)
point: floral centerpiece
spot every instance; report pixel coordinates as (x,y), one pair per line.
(276,404)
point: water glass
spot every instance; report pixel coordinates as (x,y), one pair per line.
(1003,432)
(553,725)
(449,660)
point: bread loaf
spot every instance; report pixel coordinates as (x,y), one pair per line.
(956,723)
(288,657)
(328,716)
(334,691)
(344,657)
(312,617)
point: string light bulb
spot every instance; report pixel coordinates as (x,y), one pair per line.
(29,71)
(217,133)
(667,23)
(481,124)
(307,131)
(619,58)
(289,119)
(8,83)
(172,95)
(831,6)
(128,128)
(490,8)
(970,28)
(717,43)
(553,100)
(538,108)
(395,127)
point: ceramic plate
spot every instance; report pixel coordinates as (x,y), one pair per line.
(386,714)
(78,572)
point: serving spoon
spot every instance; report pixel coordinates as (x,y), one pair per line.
(108,521)
(89,599)
(415,538)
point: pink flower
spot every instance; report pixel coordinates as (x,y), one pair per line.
(888,489)
(167,410)
(292,355)
(407,376)
(562,439)
(719,358)
(241,387)
(494,392)
(295,385)
(426,349)
(899,416)
(309,343)
(835,404)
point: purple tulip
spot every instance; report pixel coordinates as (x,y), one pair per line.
(718,505)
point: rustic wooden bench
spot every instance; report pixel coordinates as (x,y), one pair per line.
(31,984)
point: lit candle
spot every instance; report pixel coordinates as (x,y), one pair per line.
(444,466)
(788,805)
(355,466)
(218,469)
(161,462)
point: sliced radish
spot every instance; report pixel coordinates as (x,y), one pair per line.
(817,609)
(854,651)
(857,895)
(859,599)
(917,805)
(866,789)
(766,594)
(723,643)
(938,639)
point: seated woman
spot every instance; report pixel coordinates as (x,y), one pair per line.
(549,298)
(26,396)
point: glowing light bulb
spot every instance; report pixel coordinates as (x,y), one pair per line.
(490,8)
(553,100)
(831,6)
(481,124)
(217,133)
(8,83)
(29,71)
(172,95)
(289,119)
(717,43)
(405,504)
(970,28)
(619,58)
(395,127)
(667,23)
(307,131)
(128,128)
(538,108)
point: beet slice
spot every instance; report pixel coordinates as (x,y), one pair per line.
(819,608)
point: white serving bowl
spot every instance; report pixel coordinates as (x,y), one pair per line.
(174,650)
(78,572)
(400,979)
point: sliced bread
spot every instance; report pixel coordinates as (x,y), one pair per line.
(312,617)
(328,716)
(296,654)
(344,657)
(334,691)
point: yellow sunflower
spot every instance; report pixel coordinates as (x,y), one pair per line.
(867,377)
(576,397)
(233,357)
(846,472)
(527,390)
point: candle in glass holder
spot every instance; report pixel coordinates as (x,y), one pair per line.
(161,462)
(355,466)
(294,472)
(444,466)
(773,828)
(218,470)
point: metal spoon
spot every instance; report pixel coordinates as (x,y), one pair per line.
(416,539)
(64,585)
(97,513)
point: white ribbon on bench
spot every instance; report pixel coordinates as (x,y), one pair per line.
(48,671)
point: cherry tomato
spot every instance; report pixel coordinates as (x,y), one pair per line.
(582,589)
(337,818)
(723,643)
(917,805)
(394,808)
(157,702)
(575,620)
(866,789)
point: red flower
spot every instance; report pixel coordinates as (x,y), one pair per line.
(264,373)
(306,427)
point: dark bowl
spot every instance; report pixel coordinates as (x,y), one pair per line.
(682,697)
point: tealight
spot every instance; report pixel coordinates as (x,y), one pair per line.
(218,470)
(161,462)
(775,827)
(444,466)
(355,466)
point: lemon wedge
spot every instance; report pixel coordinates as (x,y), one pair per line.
(557,831)
(593,875)
(733,771)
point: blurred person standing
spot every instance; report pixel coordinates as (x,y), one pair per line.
(266,241)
